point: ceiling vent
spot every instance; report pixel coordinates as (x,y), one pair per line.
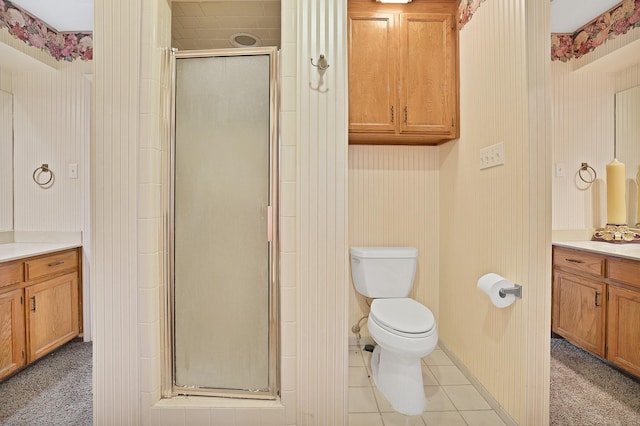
(244,40)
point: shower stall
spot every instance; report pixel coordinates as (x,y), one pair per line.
(222,275)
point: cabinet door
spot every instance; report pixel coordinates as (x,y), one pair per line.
(578,311)
(623,340)
(428,80)
(53,314)
(372,72)
(11,332)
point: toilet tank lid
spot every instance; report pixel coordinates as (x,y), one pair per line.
(384,252)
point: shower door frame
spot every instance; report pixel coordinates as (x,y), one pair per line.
(169,387)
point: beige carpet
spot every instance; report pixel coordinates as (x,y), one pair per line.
(587,391)
(56,390)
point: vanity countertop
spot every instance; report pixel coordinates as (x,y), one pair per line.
(627,251)
(13,251)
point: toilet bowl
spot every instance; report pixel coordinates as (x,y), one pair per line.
(396,360)
(404,330)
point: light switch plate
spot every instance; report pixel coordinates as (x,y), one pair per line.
(492,156)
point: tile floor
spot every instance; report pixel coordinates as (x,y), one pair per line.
(451,398)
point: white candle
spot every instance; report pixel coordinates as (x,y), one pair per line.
(616,203)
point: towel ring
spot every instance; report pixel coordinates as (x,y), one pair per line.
(590,170)
(40,174)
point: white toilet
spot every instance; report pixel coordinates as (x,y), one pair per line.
(404,330)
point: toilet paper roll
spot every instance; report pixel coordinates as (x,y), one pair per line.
(491,284)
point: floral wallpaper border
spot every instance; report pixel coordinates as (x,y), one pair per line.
(605,27)
(34,32)
(564,47)
(466,9)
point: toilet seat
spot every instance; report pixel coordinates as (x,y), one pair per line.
(403,317)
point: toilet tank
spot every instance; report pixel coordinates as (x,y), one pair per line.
(381,272)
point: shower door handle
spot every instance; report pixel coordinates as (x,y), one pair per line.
(269,223)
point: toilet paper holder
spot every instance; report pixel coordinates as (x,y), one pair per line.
(516,290)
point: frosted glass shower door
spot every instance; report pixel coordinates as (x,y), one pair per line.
(223,180)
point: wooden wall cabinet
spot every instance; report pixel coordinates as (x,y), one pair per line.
(596,305)
(39,307)
(403,73)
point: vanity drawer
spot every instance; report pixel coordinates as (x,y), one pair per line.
(624,272)
(52,264)
(580,261)
(10,273)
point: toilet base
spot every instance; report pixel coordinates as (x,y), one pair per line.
(399,379)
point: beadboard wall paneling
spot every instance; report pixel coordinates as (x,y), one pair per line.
(393,201)
(498,219)
(6,161)
(536,244)
(322,236)
(583,132)
(49,127)
(42,60)
(627,78)
(118,237)
(6,78)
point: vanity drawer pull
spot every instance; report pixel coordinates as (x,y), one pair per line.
(574,260)
(51,264)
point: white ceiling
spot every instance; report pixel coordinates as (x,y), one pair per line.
(569,15)
(207,24)
(61,15)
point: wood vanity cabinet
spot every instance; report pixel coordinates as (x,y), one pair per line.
(596,304)
(12,337)
(39,308)
(578,313)
(624,315)
(403,72)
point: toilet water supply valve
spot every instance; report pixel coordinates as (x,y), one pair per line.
(356,328)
